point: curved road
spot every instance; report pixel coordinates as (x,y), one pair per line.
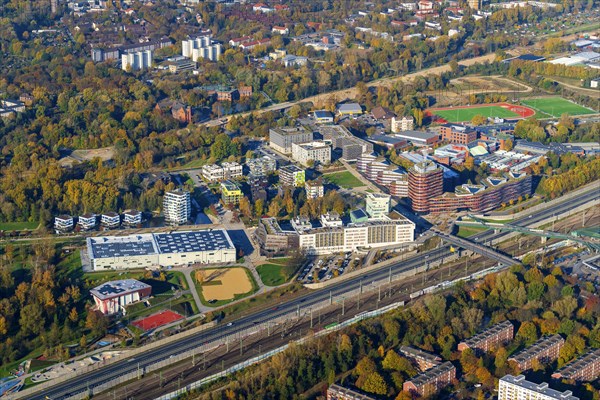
(88,380)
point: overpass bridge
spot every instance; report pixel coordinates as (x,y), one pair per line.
(480,223)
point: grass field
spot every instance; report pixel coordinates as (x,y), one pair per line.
(556,106)
(466,231)
(467,114)
(18,226)
(343,179)
(273,274)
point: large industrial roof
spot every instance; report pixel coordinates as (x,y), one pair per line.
(122,246)
(181,242)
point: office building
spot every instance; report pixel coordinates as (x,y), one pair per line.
(160,249)
(490,339)
(337,392)
(317,152)
(177,207)
(585,368)
(114,296)
(261,166)
(402,124)
(87,221)
(517,388)
(136,61)
(132,217)
(342,139)
(331,220)
(431,381)
(291,175)
(231,192)
(545,350)
(349,109)
(281,139)
(378,205)
(63,223)
(314,189)
(323,117)
(201,47)
(425,182)
(110,220)
(421,358)
(458,134)
(273,240)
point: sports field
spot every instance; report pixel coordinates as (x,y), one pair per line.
(343,179)
(557,106)
(159,319)
(466,113)
(223,283)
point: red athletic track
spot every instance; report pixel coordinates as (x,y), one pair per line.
(159,319)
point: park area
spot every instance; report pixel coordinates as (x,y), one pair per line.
(466,113)
(343,179)
(276,272)
(220,286)
(557,106)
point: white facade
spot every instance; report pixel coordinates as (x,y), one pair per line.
(132,217)
(177,207)
(378,205)
(314,190)
(517,388)
(87,221)
(110,220)
(227,170)
(356,236)
(317,151)
(201,47)
(63,223)
(112,297)
(402,124)
(136,61)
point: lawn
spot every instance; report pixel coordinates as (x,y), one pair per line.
(556,106)
(466,231)
(273,274)
(18,226)
(467,114)
(343,179)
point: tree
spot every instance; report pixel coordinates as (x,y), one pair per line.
(527,332)
(365,366)
(375,384)
(478,120)
(73,315)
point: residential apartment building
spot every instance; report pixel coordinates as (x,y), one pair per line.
(517,388)
(110,220)
(226,170)
(431,381)
(372,234)
(337,392)
(378,205)
(231,192)
(545,350)
(341,138)
(177,207)
(291,175)
(261,166)
(136,61)
(585,368)
(317,152)
(422,359)
(383,173)
(402,124)
(201,47)
(87,221)
(425,182)
(490,339)
(132,217)
(63,223)
(314,189)
(458,134)
(273,240)
(281,139)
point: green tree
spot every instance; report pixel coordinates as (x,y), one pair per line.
(375,384)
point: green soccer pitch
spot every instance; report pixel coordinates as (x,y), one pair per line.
(467,114)
(556,106)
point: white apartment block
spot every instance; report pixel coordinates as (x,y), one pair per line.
(317,151)
(136,61)
(378,205)
(201,47)
(110,220)
(361,236)
(132,217)
(314,189)
(517,388)
(177,207)
(402,124)
(227,170)
(63,223)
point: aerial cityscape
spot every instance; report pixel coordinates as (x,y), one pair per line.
(286,199)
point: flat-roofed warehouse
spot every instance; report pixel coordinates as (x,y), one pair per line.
(160,249)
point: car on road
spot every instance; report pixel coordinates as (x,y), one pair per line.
(230,324)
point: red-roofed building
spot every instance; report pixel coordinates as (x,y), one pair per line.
(282,30)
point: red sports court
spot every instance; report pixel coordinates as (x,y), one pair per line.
(156,320)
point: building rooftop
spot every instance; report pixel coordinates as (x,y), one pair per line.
(314,145)
(290,130)
(536,348)
(349,394)
(122,246)
(323,114)
(291,168)
(569,370)
(118,288)
(416,135)
(432,373)
(350,107)
(421,354)
(229,186)
(359,214)
(541,388)
(191,241)
(494,330)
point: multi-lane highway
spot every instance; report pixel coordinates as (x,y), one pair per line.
(140,361)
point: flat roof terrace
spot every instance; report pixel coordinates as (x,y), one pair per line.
(121,246)
(193,241)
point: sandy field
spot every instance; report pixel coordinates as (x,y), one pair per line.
(231,281)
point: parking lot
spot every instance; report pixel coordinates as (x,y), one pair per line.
(324,268)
